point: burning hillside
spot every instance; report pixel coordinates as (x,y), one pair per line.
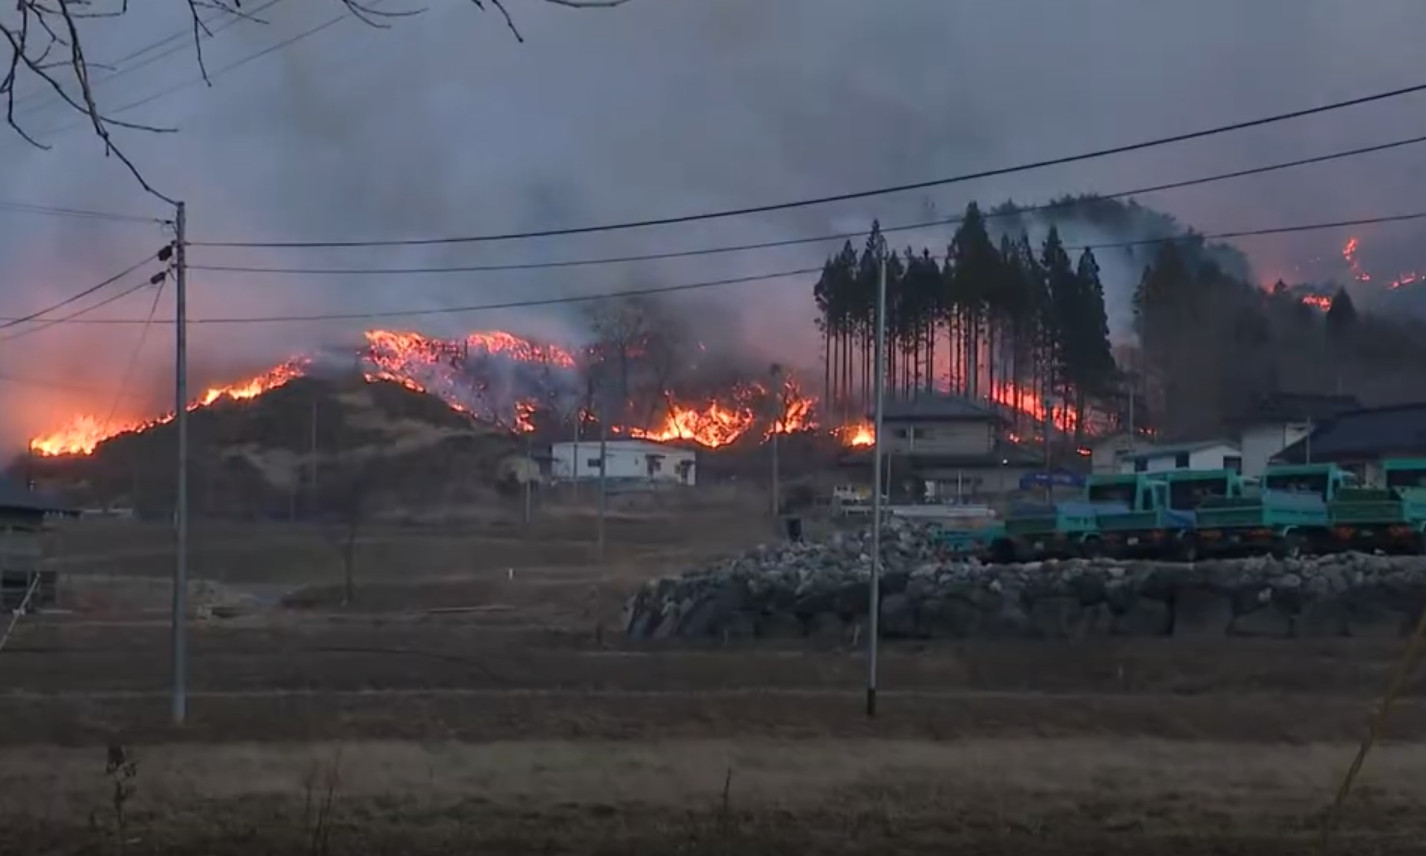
(498,378)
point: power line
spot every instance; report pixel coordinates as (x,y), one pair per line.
(693,286)
(841,197)
(120,390)
(74,316)
(79,296)
(179,87)
(762,245)
(209,29)
(78,213)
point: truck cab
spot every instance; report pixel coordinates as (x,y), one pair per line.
(1145,524)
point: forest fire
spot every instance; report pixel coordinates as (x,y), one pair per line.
(492,376)
(719,423)
(857,434)
(85,432)
(1317,301)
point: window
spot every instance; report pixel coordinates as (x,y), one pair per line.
(1141,465)
(1234,463)
(592,463)
(918,433)
(1180,461)
(900,434)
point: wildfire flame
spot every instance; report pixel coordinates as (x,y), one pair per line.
(85,432)
(1317,301)
(857,434)
(719,423)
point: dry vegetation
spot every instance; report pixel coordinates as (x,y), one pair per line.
(476,698)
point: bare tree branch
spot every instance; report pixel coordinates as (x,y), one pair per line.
(45,44)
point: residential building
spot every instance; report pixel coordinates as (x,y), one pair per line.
(1205,455)
(1283,419)
(1360,440)
(625,459)
(24,515)
(944,446)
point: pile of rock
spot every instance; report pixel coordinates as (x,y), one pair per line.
(820,590)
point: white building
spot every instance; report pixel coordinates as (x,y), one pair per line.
(1207,455)
(627,459)
(1282,420)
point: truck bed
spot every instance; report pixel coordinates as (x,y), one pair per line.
(1268,509)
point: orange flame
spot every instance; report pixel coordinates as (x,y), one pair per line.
(84,433)
(857,434)
(1317,301)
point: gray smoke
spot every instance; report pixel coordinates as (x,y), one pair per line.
(444,125)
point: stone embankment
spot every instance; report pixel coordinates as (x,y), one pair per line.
(819,590)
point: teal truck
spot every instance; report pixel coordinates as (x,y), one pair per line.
(1036,531)
(1161,512)
(1390,518)
(1287,515)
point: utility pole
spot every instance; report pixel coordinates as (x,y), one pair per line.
(312,465)
(180,404)
(874,584)
(529,459)
(778,402)
(1048,404)
(603,472)
(574,455)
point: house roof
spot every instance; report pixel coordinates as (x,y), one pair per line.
(1365,433)
(1300,407)
(16,497)
(1179,449)
(937,408)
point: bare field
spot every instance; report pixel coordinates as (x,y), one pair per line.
(522,723)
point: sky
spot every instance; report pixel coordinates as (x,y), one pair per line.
(443,124)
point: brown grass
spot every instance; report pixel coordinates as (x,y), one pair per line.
(519,728)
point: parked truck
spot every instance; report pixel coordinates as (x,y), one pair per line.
(1070,528)
(1286,516)
(1160,520)
(1390,517)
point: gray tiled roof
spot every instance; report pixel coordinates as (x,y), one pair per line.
(937,407)
(15,496)
(1366,433)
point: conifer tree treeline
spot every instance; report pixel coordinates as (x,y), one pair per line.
(1011,324)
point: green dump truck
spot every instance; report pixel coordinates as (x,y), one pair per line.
(1285,516)
(1162,512)
(1390,518)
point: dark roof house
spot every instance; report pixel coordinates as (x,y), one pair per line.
(1285,407)
(15,498)
(937,408)
(1362,435)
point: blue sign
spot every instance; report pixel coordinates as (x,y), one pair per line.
(1054,478)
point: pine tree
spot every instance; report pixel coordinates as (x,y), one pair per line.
(975,262)
(1062,284)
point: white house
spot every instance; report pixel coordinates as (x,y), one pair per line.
(1282,420)
(1207,455)
(627,459)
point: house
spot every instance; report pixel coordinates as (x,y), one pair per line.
(1360,439)
(626,459)
(1283,419)
(943,446)
(1205,455)
(24,517)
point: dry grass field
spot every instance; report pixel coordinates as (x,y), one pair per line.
(477,698)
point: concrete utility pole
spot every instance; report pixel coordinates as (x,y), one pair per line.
(778,402)
(874,584)
(529,480)
(1048,404)
(180,404)
(603,472)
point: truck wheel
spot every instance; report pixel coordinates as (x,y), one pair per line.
(1290,546)
(1091,548)
(1188,547)
(1002,552)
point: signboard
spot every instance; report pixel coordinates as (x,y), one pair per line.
(1053,478)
